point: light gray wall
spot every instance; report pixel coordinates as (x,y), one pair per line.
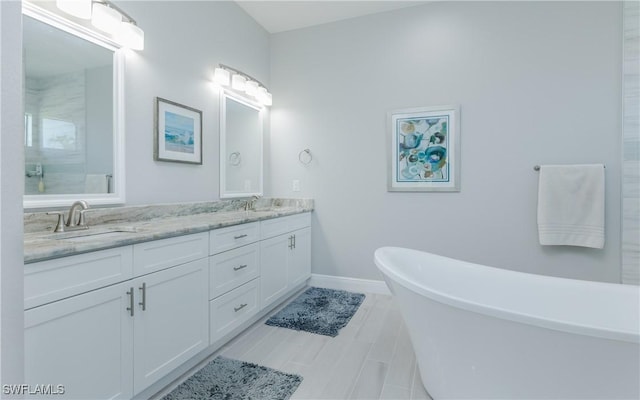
(537,83)
(184,41)
(631,146)
(11,186)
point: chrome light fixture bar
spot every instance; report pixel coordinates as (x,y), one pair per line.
(108,18)
(237,80)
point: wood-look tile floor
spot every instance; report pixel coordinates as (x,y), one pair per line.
(371,358)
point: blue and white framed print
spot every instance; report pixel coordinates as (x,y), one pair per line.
(424,149)
(177,133)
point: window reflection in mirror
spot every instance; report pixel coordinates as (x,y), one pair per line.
(69,87)
(58,134)
(241,148)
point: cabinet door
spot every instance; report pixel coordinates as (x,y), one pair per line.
(171,321)
(274,254)
(84,342)
(299,265)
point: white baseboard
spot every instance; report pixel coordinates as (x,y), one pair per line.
(350,284)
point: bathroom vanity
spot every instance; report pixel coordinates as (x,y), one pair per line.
(123,309)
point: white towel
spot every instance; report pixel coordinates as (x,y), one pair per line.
(96,183)
(571,205)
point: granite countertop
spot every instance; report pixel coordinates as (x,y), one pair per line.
(44,244)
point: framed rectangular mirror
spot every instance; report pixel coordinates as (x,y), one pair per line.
(240,147)
(73,105)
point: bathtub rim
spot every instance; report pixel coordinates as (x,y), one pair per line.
(502,313)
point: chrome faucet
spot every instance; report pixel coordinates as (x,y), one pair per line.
(250,204)
(75,219)
(79,221)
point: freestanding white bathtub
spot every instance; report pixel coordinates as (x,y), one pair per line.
(488,333)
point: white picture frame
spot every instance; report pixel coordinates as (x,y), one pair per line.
(424,149)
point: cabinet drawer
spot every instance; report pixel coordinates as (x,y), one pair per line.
(278,226)
(160,254)
(299,221)
(232,268)
(230,310)
(228,238)
(52,280)
(274,227)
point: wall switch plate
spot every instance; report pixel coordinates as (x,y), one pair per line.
(296,185)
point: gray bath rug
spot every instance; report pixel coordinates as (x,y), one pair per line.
(317,310)
(227,379)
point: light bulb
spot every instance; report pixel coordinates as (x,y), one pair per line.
(262,95)
(77,8)
(221,76)
(268,99)
(131,36)
(105,18)
(238,82)
(251,88)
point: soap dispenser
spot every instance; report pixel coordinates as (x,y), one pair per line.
(40,173)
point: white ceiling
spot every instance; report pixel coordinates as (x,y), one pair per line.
(279,16)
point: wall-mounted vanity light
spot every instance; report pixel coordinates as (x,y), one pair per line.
(240,82)
(108,18)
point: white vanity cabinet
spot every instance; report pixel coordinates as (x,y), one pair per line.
(77,330)
(234,270)
(171,322)
(274,253)
(299,262)
(234,236)
(115,341)
(170,311)
(160,254)
(53,280)
(233,309)
(83,342)
(285,258)
(118,323)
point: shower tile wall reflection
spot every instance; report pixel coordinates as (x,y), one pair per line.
(68,105)
(64,133)
(55,131)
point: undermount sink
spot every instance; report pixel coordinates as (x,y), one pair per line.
(274,209)
(93,233)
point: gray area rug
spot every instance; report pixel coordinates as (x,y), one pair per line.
(227,379)
(318,310)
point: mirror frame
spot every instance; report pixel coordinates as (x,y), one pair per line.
(224,95)
(118,179)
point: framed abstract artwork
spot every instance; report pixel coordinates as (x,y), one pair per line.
(177,133)
(424,149)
